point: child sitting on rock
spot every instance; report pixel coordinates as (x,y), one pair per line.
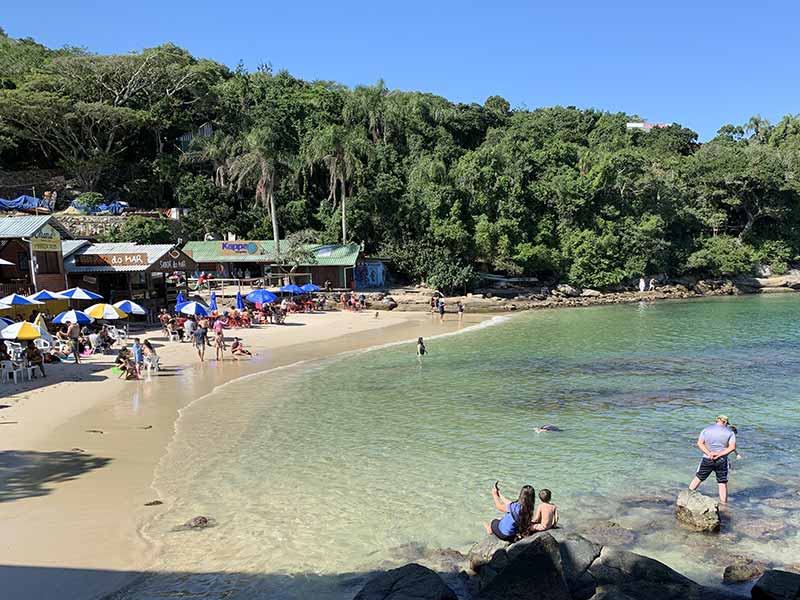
(546,515)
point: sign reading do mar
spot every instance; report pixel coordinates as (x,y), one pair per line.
(127,259)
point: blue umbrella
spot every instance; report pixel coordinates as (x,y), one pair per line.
(16,299)
(72,316)
(179,300)
(77,293)
(213,304)
(292,289)
(6,322)
(239,301)
(261,297)
(130,307)
(310,287)
(45,295)
(193,308)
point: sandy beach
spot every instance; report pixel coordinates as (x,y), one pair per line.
(78,449)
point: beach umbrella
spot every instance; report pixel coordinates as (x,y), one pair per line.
(239,301)
(213,304)
(72,316)
(17,300)
(21,331)
(292,289)
(310,287)
(261,297)
(45,296)
(5,263)
(39,322)
(179,299)
(5,322)
(105,311)
(193,308)
(130,307)
(4,306)
(78,293)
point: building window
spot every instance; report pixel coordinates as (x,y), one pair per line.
(23,262)
(47,263)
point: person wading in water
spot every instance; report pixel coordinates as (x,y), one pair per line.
(716,442)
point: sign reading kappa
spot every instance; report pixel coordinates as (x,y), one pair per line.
(124,259)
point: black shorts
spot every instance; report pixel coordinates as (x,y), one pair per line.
(495,525)
(719,467)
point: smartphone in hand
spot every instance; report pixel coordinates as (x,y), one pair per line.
(497,486)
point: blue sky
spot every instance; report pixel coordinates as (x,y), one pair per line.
(702,64)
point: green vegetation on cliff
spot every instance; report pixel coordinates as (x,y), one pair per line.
(444,189)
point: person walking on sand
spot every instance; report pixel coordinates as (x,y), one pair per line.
(138,355)
(200,338)
(441,309)
(716,442)
(460,310)
(219,343)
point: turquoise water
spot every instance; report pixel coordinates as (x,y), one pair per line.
(319,471)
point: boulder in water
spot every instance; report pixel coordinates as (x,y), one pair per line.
(697,512)
(406,583)
(743,569)
(777,585)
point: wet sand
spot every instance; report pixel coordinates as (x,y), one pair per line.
(79,448)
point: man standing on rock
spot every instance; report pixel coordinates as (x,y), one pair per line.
(716,442)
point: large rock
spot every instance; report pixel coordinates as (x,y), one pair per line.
(697,512)
(534,572)
(587,293)
(482,552)
(567,290)
(743,569)
(411,582)
(777,585)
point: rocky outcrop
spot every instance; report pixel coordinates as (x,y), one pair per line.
(567,290)
(587,293)
(534,572)
(777,585)
(743,569)
(697,512)
(411,582)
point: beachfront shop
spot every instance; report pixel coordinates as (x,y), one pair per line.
(149,274)
(251,259)
(30,254)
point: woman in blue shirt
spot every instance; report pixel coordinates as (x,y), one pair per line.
(518,514)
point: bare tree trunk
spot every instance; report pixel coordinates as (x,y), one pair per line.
(274,215)
(344,212)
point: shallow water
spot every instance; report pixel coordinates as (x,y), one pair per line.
(317,473)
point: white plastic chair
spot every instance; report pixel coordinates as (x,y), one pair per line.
(8,370)
(42,344)
(15,350)
(152,363)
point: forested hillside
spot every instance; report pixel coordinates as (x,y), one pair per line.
(443,189)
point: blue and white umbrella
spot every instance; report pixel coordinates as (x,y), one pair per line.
(193,308)
(261,297)
(239,301)
(5,322)
(292,289)
(78,293)
(212,305)
(72,316)
(46,295)
(179,300)
(17,300)
(310,287)
(130,307)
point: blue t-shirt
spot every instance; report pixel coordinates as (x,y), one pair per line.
(137,353)
(508,524)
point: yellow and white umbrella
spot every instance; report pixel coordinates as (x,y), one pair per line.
(105,311)
(21,331)
(39,322)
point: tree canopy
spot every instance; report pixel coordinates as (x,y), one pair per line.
(443,189)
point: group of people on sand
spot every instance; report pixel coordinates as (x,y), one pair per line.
(132,361)
(207,333)
(438,305)
(522,518)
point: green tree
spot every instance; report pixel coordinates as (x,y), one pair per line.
(143,230)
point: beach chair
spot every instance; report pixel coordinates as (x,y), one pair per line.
(152,363)
(118,333)
(43,345)
(15,350)
(9,370)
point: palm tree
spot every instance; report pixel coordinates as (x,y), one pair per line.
(257,165)
(340,149)
(367,104)
(217,149)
